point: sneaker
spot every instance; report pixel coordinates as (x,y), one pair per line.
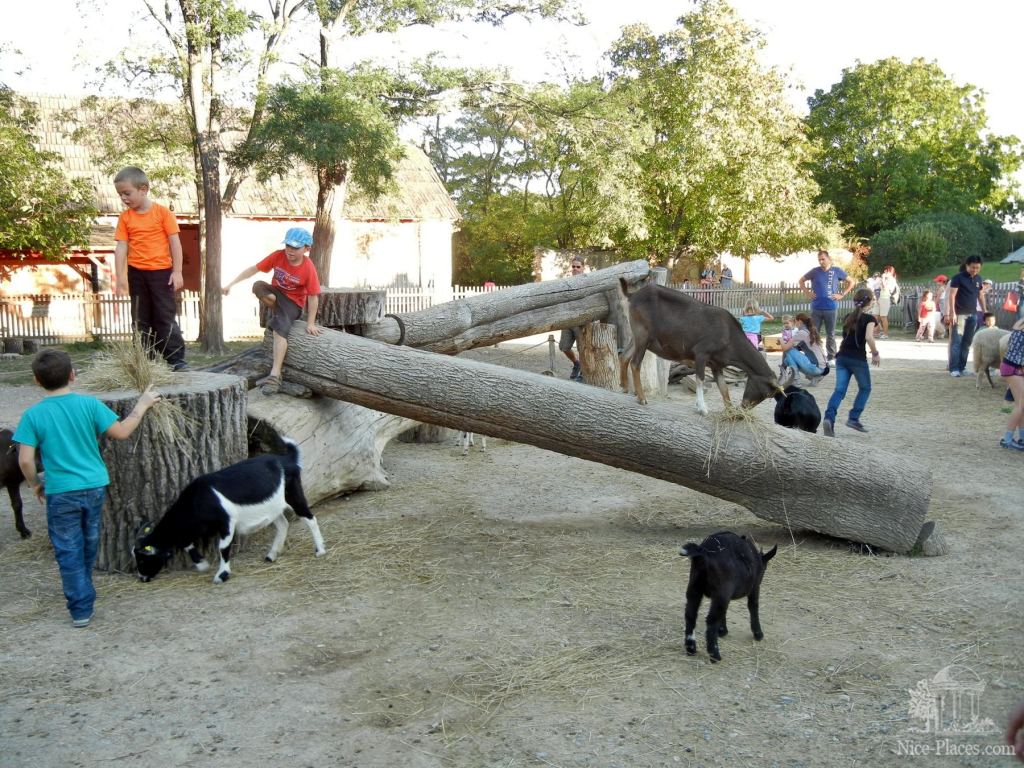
(955,374)
(85,622)
(575,370)
(828,428)
(1013,445)
(854,424)
(181,367)
(883,336)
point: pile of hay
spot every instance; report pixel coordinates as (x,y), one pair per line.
(127,365)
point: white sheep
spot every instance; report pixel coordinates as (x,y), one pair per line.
(988,350)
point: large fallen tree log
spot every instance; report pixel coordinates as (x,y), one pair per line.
(511,313)
(757,465)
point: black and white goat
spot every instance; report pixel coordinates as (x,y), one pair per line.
(796,408)
(12,477)
(239,499)
(723,567)
(466,441)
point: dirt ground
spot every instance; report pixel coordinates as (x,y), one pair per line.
(517,607)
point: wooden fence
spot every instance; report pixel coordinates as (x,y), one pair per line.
(65,318)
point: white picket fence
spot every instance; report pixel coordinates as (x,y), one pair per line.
(70,317)
(65,318)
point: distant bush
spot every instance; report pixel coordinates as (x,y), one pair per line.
(930,240)
(911,249)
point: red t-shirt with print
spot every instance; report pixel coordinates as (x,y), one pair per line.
(296,281)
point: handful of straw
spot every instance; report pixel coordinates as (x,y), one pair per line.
(127,365)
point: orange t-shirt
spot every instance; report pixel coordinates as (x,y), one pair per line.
(146,234)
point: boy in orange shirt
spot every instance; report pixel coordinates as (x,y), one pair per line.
(294,281)
(148,262)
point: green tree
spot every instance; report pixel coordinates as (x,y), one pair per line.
(894,139)
(41,210)
(931,240)
(725,166)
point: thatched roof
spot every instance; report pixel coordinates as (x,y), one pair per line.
(420,195)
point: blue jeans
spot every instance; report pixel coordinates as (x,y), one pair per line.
(794,358)
(847,368)
(73,520)
(960,337)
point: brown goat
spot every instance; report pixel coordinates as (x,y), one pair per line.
(677,327)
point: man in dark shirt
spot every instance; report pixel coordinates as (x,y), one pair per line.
(961,302)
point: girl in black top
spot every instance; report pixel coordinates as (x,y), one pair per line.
(851,362)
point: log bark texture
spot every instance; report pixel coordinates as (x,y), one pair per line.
(340,444)
(599,358)
(147,472)
(759,466)
(343,307)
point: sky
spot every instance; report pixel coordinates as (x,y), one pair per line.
(811,41)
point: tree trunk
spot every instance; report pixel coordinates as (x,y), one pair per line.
(758,465)
(599,358)
(147,473)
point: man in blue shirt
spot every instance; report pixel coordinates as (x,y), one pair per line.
(962,301)
(824,285)
(66,427)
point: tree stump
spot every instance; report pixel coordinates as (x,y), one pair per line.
(348,307)
(147,473)
(31,346)
(14,345)
(599,359)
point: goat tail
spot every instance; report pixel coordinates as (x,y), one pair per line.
(691,549)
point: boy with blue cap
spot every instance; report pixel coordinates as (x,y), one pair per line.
(295,281)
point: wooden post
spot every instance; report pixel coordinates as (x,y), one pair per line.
(599,358)
(147,473)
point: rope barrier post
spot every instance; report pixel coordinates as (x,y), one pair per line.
(551,354)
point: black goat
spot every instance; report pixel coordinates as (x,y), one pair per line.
(12,477)
(797,409)
(723,568)
(242,498)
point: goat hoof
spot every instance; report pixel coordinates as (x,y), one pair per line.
(759,636)
(321,552)
(691,648)
(202,566)
(220,578)
(723,631)
(25,532)
(715,657)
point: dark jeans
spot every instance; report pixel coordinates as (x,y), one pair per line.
(847,368)
(825,322)
(73,521)
(960,337)
(154,309)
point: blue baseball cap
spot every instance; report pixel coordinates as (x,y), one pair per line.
(296,237)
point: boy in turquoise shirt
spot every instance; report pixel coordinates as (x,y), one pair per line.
(65,427)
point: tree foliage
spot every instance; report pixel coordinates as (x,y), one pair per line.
(930,240)
(41,210)
(725,167)
(896,139)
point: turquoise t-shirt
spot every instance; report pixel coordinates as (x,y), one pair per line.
(66,430)
(751,323)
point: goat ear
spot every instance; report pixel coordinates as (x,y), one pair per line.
(766,556)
